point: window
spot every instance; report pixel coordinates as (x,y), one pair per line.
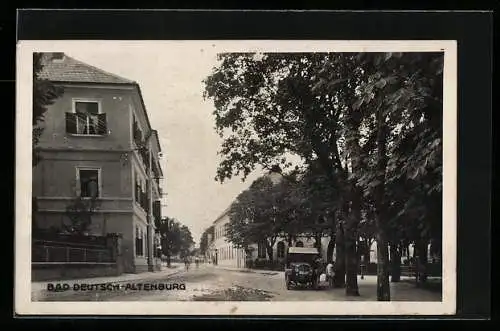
(136,132)
(86,119)
(261,251)
(141,196)
(139,246)
(89,182)
(137,189)
(281,249)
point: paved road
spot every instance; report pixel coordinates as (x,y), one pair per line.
(214,284)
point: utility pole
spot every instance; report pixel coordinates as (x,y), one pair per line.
(169,223)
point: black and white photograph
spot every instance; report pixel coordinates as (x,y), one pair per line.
(236,177)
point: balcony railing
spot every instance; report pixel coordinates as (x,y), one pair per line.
(86,124)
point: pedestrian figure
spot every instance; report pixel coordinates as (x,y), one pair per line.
(197,262)
(362,266)
(316,271)
(329,274)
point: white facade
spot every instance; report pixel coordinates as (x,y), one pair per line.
(281,247)
(221,251)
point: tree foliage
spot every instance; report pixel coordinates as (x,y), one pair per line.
(255,216)
(176,237)
(80,212)
(367,127)
(44,94)
(204,240)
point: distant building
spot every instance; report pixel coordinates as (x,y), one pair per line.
(90,143)
(222,252)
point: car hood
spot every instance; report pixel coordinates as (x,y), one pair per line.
(301,267)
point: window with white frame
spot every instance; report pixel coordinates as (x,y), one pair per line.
(89,182)
(86,118)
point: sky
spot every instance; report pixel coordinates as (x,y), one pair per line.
(172,88)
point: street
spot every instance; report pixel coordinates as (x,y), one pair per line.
(208,283)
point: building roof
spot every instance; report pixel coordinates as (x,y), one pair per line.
(224,213)
(59,67)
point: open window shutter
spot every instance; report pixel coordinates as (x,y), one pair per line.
(102,127)
(71,123)
(157,210)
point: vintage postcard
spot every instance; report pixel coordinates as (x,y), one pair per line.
(236,177)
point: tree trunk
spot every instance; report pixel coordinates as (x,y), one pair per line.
(329,250)
(351,259)
(340,271)
(395,263)
(383,287)
(422,262)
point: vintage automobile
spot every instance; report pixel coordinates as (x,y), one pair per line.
(299,267)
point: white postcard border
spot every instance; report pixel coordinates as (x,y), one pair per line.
(23,303)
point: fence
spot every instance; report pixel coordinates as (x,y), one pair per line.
(49,252)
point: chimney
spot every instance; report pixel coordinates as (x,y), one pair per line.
(57,56)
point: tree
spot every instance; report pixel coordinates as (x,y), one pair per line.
(255,216)
(267,109)
(81,209)
(204,239)
(317,211)
(176,238)
(44,94)
(371,121)
(186,242)
(163,227)
(402,99)
(80,212)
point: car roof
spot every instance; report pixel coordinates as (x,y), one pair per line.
(303,250)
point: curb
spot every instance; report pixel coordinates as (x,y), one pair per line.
(252,271)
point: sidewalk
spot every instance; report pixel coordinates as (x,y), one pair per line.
(39,288)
